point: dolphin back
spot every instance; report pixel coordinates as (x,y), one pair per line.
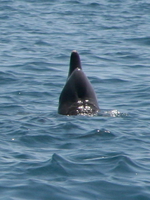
(78,96)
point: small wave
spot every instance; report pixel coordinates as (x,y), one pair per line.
(53,167)
(35,140)
(114,80)
(56,167)
(7,78)
(141,41)
(98,133)
(42,43)
(112,113)
(124,165)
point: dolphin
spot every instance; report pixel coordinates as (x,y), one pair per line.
(78,96)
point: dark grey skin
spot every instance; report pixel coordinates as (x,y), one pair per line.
(77,96)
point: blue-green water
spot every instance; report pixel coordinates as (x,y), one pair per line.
(47,156)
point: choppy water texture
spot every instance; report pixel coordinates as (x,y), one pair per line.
(47,156)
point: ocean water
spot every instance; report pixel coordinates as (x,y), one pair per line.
(47,156)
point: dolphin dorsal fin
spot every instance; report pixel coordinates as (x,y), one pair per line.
(74,62)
